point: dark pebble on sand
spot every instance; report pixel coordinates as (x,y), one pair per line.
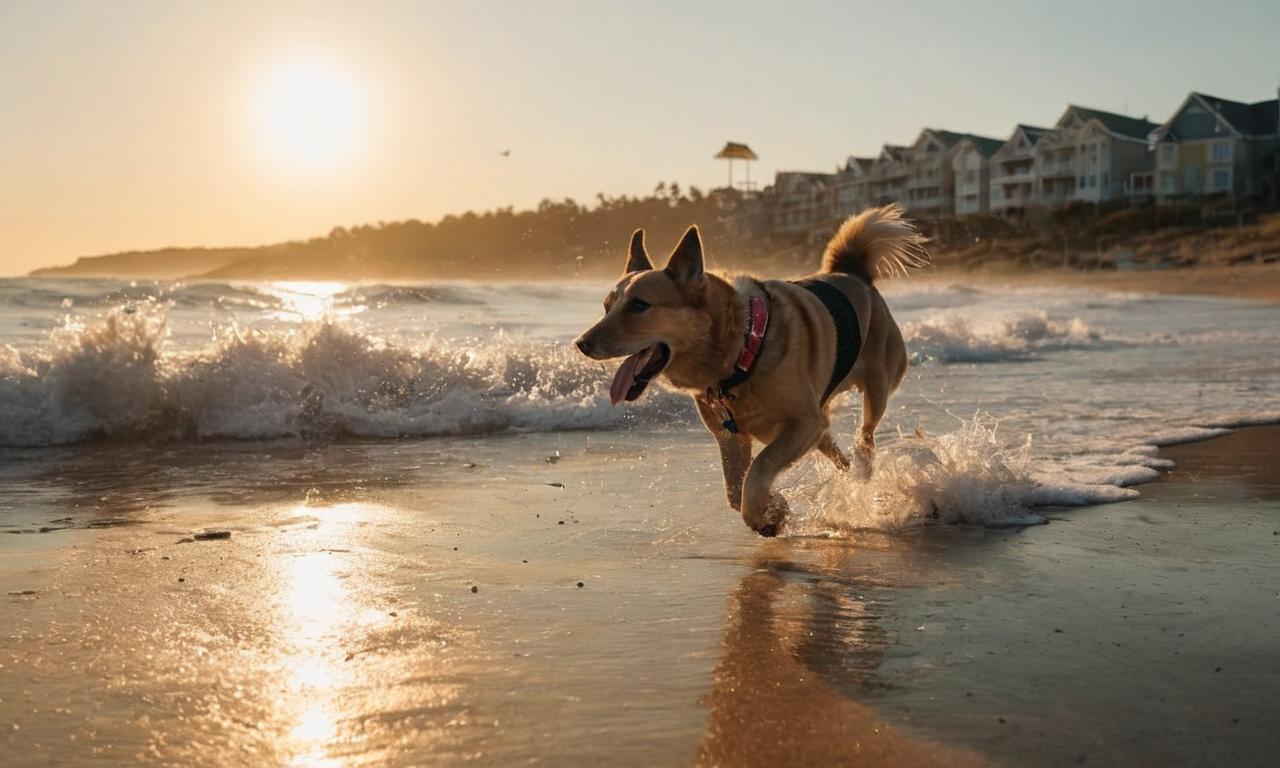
(1217,669)
(392,613)
(561,522)
(524,561)
(212,535)
(580,584)
(474,589)
(556,485)
(1058,631)
(181,579)
(1001,719)
(22,593)
(968,694)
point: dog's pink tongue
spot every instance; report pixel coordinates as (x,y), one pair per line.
(625,377)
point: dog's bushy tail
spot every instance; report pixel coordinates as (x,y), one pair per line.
(876,243)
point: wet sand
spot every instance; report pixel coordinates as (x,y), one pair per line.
(338,625)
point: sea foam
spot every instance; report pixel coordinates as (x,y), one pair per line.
(1014,335)
(112,377)
(970,475)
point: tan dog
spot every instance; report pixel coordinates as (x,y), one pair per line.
(692,327)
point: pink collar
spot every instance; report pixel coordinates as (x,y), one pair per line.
(757,324)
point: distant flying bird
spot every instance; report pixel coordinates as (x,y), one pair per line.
(505,153)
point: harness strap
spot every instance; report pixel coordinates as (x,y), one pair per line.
(752,345)
(848,333)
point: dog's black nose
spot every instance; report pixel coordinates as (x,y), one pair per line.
(583,347)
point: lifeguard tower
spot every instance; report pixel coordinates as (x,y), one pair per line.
(735,151)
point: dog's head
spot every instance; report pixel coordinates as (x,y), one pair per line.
(652,316)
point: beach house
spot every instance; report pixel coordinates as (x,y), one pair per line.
(888,179)
(1214,146)
(801,200)
(1090,156)
(971,171)
(1014,181)
(852,182)
(930,177)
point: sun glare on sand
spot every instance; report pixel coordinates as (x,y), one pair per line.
(309,113)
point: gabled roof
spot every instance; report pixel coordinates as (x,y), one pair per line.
(947,139)
(1119,125)
(892,152)
(1257,119)
(985,145)
(1032,133)
(860,164)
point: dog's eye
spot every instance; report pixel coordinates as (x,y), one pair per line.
(637,305)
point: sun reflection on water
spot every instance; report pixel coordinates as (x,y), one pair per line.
(308,301)
(320,609)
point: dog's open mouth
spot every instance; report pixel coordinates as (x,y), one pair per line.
(637,371)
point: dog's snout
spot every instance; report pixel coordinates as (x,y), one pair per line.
(583,345)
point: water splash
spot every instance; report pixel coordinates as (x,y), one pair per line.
(969,476)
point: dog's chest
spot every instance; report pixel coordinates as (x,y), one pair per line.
(745,416)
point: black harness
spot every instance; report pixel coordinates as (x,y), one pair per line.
(848,332)
(848,345)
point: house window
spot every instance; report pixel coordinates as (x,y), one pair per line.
(1221,180)
(1106,181)
(1080,182)
(1221,151)
(1093,181)
(1168,154)
(1168,182)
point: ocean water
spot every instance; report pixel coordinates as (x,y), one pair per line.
(1017,402)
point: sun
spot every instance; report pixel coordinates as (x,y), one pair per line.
(310,114)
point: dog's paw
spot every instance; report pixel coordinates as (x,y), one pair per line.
(774,517)
(863,463)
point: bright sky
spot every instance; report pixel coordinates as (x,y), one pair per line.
(128,125)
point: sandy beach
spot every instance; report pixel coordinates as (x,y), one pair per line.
(1250,282)
(536,612)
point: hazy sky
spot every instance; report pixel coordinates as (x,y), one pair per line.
(130,125)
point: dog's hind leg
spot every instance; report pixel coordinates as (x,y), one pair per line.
(762,510)
(875,397)
(827,445)
(735,454)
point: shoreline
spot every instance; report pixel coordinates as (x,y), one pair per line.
(1252,282)
(1248,282)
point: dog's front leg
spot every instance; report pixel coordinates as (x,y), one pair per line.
(761,512)
(735,454)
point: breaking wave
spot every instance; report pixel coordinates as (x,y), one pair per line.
(113,378)
(953,338)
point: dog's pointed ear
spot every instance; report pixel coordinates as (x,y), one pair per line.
(637,256)
(685,264)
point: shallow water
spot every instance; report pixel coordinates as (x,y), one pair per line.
(1025,398)
(376,452)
